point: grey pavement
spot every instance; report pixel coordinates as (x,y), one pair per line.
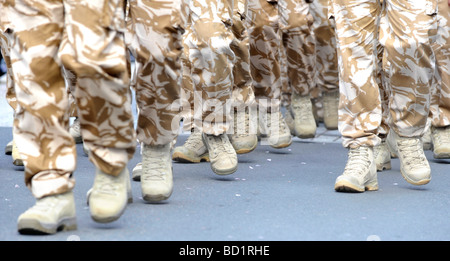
(275,195)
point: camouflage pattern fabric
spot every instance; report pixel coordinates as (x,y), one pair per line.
(211,58)
(242,90)
(408,65)
(5,49)
(95,32)
(440,107)
(154,37)
(326,73)
(282,50)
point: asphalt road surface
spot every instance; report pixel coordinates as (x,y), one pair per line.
(275,195)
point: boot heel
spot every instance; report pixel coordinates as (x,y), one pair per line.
(372,185)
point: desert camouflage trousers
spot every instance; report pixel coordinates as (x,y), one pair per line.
(242,94)
(440,102)
(408,66)
(154,37)
(5,49)
(215,59)
(275,27)
(95,32)
(326,71)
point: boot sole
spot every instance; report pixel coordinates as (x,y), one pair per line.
(224,172)
(305,134)
(283,145)
(18,162)
(308,136)
(420,182)
(247,150)
(180,157)
(244,151)
(110,218)
(346,186)
(8,150)
(156,198)
(33,227)
(384,166)
(441,155)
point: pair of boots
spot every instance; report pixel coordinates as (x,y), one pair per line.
(108,197)
(436,139)
(302,114)
(360,172)
(107,200)
(154,172)
(221,150)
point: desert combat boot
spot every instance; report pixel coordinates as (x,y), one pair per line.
(50,214)
(222,155)
(108,197)
(156,177)
(244,138)
(441,142)
(304,122)
(413,163)
(360,172)
(330,109)
(382,156)
(8,148)
(15,154)
(192,151)
(275,130)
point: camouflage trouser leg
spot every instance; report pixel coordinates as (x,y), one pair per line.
(5,43)
(211,58)
(102,94)
(441,97)
(410,62)
(154,36)
(243,94)
(286,91)
(65,48)
(5,49)
(10,92)
(187,87)
(409,75)
(265,41)
(295,22)
(41,122)
(384,128)
(327,78)
(242,91)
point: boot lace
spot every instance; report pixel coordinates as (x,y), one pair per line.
(218,144)
(241,124)
(107,184)
(358,161)
(443,136)
(155,166)
(194,141)
(303,108)
(277,121)
(412,151)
